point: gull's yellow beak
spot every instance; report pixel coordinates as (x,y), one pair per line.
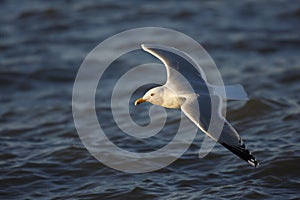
(139,101)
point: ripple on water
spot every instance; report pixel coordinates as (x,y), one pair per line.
(42,46)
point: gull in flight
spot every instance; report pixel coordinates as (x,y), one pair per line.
(195,100)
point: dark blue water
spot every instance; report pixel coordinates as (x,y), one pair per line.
(42,44)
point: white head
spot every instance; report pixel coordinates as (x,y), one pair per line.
(161,96)
(154,96)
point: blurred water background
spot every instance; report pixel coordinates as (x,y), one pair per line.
(43,43)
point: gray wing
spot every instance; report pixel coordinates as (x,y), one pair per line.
(182,71)
(227,136)
(183,77)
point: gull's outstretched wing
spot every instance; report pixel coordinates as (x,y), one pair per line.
(183,78)
(228,137)
(180,69)
(184,75)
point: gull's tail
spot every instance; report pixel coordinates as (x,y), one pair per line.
(233,92)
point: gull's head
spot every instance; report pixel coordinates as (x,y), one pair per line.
(154,96)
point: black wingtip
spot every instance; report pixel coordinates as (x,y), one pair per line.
(243,153)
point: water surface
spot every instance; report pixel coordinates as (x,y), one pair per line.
(42,44)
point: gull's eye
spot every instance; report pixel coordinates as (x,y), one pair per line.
(152,94)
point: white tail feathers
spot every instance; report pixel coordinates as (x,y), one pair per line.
(233,92)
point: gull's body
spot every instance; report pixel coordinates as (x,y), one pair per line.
(185,89)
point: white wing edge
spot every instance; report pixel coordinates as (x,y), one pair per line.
(147,48)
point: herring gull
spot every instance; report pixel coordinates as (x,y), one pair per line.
(176,94)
